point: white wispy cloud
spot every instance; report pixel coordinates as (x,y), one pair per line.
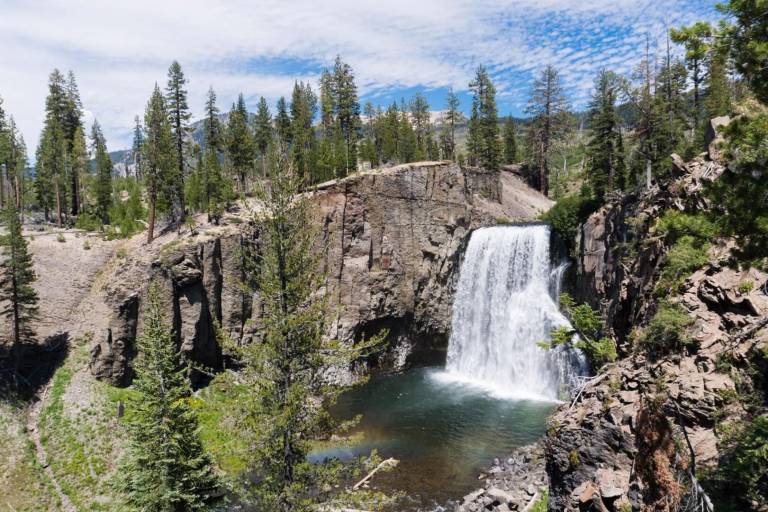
(119,49)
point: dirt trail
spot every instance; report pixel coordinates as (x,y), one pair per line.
(71,304)
(42,457)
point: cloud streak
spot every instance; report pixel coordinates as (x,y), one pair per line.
(118,50)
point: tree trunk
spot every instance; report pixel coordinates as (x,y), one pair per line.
(151,220)
(648,167)
(75,193)
(58,203)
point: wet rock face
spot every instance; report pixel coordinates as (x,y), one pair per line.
(393,238)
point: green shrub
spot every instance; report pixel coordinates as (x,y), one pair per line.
(87,245)
(61,238)
(746,286)
(566,216)
(88,222)
(689,237)
(745,457)
(667,331)
(687,255)
(127,211)
(588,324)
(121,252)
(738,196)
(675,224)
(574,459)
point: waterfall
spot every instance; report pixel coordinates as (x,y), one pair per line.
(505,304)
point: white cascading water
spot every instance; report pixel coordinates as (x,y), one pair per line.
(505,305)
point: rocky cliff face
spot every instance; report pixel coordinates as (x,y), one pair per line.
(394,241)
(593,442)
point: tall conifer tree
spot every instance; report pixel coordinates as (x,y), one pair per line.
(157,155)
(103,184)
(179,115)
(548,108)
(452,118)
(240,142)
(509,138)
(483,140)
(262,132)
(18,300)
(165,467)
(605,151)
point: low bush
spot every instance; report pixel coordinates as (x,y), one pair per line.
(566,216)
(88,222)
(741,474)
(689,237)
(666,332)
(588,325)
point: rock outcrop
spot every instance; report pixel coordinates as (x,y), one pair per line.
(592,443)
(394,241)
(516,483)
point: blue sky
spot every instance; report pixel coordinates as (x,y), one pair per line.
(119,49)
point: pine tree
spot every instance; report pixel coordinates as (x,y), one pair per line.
(483,139)
(239,142)
(303,111)
(178,115)
(262,132)
(78,160)
(138,141)
(103,185)
(5,142)
(548,108)
(165,467)
(52,152)
(209,167)
(747,38)
(327,104)
(212,132)
(696,40)
(452,118)
(18,300)
(283,122)
(717,97)
(158,155)
(16,166)
(421,125)
(406,137)
(509,137)
(285,369)
(73,129)
(391,143)
(347,112)
(605,151)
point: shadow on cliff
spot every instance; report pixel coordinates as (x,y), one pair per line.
(23,375)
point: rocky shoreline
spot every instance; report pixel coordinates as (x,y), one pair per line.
(516,483)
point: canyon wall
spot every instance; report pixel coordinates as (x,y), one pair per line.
(394,239)
(594,444)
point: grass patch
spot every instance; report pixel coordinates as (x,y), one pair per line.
(81,442)
(216,408)
(23,484)
(542,504)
